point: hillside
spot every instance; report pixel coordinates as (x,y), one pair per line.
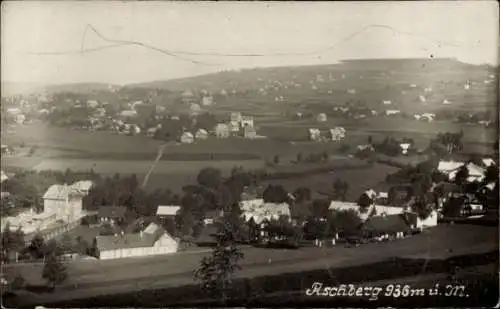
(418,69)
(15,88)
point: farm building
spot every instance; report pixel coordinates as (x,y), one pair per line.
(153,240)
(187,138)
(111,214)
(201,134)
(249,132)
(337,133)
(222,130)
(321,117)
(260,211)
(167,210)
(314,134)
(450,168)
(387,102)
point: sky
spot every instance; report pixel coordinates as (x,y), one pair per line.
(320,32)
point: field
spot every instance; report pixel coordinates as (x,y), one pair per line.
(102,277)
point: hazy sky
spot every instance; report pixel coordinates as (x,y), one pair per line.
(467,31)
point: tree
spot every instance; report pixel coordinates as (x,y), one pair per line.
(345,221)
(12,241)
(209,177)
(215,271)
(370,139)
(275,194)
(302,194)
(276,160)
(299,157)
(462,175)
(320,208)
(54,271)
(364,202)
(37,246)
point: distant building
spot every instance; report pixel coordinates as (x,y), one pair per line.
(128,113)
(404,148)
(4,177)
(387,102)
(92,103)
(236,117)
(450,168)
(314,134)
(234,127)
(249,132)
(112,214)
(83,186)
(259,211)
(390,112)
(64,201)
(153,240)
(351,91)
(167,210)
(321,117)
(337,134)
(247,121)
(207,101)
(201,134)
(221,130)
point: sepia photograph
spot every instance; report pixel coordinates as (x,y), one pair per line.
(238,153)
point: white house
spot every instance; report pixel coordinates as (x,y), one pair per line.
(260,211)
(404,148)
(390,112)
(351,91)
(201,134)
(247,121)
(387,102)
(167,210)
(92,103)
(446,102)
(64,201)
(314,134)
(128,113)
(153,240)
(207,100)
(249,132)
(222,130)
(450,168)
(337,133)
(187,138)
(194,108)
(351,206)
(321,117)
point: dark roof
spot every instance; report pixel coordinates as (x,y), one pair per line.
(117,212)
(386,224)
(127,240)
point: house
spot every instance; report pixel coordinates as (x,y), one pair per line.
(427,116)
(260,211)
(187,138)
(416,222)
(83,186)
(488,162)
(236,117)
(390,112)
(153,240)
(207,100)
(222,130)
(112,214)
(4,177)
(247,121)
(167,210)
(337,133)
(366,147)
(249,132)
(7,150)
(314,134)
(201,134)
(20,119)
(223,92)
(234,126)
(404,148)
(64,201)
(450,168)
(92,103)
(351,91)
(321,117)
(446,102)
(194,108)
(387,102)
